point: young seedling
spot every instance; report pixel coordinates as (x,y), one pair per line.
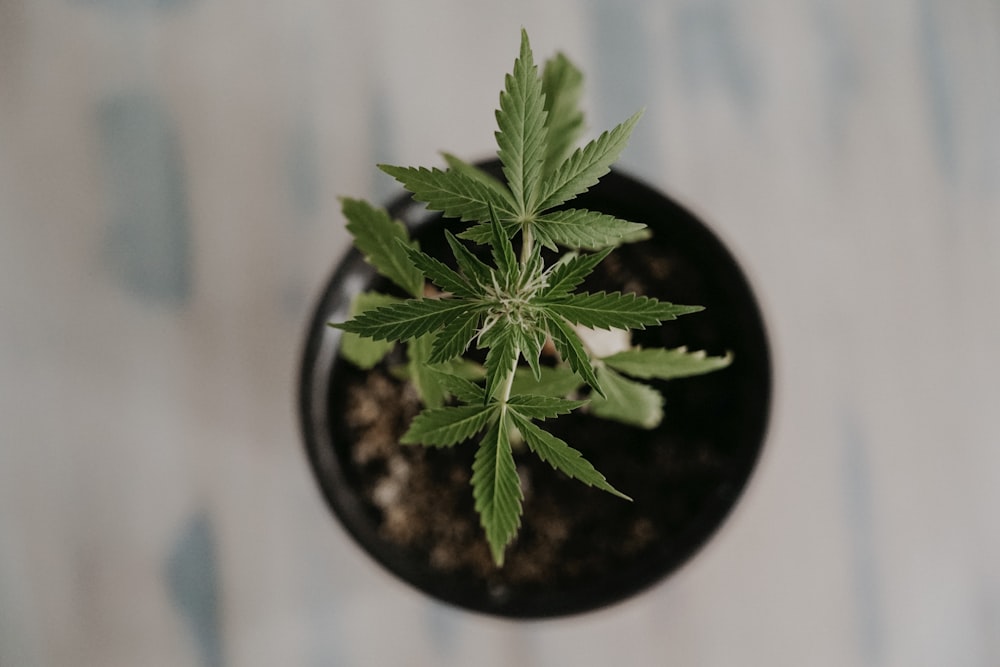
(516,303)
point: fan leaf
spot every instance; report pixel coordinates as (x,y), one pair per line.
(496,488)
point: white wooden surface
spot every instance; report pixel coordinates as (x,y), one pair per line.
(168,180)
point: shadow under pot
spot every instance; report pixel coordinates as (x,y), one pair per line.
(578,548)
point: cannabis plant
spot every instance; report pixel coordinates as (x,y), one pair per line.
(513,301)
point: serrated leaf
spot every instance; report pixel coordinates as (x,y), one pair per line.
(475,270)
(534,406)
(558,454)
(521,122)
(375,235)
(451,192)
(501,357)
(461,388)
(483,233)
(406,320)
(444,427)
(421,372)
(627,401)
(570,348)
(472,171)
(441,274)
(365,352)
(559,381)
(580,228)
(666,364)
(496,488)
(586,165)
(503,251)
(562,85)
(566,275)
(454,337)
(601,310)
(530,344)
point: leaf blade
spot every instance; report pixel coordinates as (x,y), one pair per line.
(570,348)
(583,229)
(614,310)
(363,352)
(666,364)
(451,192)
(406,320)
(586,165)
(496,488)
(542,407)
(558,454)
(441,274)
(562,85)
(501,356)
(376,235)
(447,426)
(454,337)
(567,275)
(521,134)
(627,401)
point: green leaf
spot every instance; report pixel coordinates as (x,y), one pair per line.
(559,381)
(601,310)
(627,401)
(567,274)
(542,407)
(570,348)
(406,320)
(444,427)
(561,456)
(496,488)
(365,352)
(586,166)
(483,233)
(530,343)
(472,171)
(454,337)
(503,251)
(475,270)
(562,84)
(459,387)
(664,364)
(579,228)
(502,355)
(521,122)
(374,235)
(422,374)
(442,275)
(451,192)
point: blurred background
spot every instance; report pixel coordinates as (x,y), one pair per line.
(168,179)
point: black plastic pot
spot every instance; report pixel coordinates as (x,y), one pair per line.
(578,548)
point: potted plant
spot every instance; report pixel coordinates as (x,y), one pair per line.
(490,400)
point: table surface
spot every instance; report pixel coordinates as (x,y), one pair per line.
(169,174)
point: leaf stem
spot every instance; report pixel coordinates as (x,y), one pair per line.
(509,380)
(527,244)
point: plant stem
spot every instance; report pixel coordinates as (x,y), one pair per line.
(527,244)
(509,381)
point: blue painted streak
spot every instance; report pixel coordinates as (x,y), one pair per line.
(861,531)
(149,244)
(941,94)
(840,66)
(623,72)
(131,6)
(193,581)
(712,50)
